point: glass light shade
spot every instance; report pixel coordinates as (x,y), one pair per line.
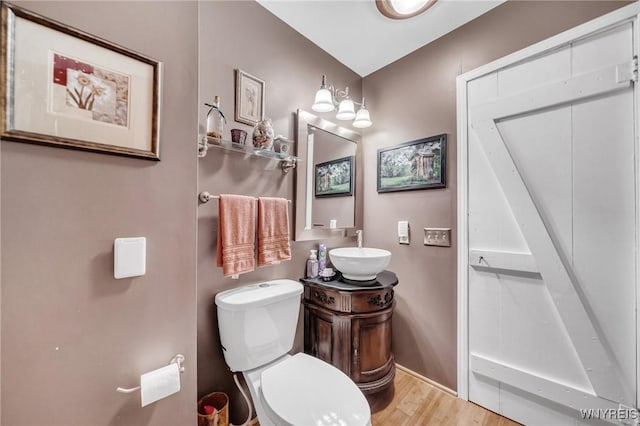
(323,102)
(346,110)
(362,119)
(403,9)
(407,7)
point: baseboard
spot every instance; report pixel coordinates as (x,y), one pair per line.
(427,380)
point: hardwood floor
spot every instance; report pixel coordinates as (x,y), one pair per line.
(416,402)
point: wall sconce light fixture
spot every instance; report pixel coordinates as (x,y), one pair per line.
(328,98)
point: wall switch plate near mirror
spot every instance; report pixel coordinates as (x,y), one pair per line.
(328,183)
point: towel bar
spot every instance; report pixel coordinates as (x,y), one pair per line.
(205,197)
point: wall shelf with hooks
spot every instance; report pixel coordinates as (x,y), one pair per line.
(287,161)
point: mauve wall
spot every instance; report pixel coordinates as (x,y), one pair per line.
(71,333)
(241,34)
(413,98)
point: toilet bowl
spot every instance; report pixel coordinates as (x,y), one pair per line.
(302,390)
(257,326)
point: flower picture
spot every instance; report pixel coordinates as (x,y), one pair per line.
(69,89)
(86,91)
(249,98)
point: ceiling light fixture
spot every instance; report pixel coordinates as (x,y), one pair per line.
(403,9)
(328,98)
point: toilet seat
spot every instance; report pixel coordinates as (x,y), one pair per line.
(305,391)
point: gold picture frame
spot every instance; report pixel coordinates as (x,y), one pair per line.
(75,90)
(250,95)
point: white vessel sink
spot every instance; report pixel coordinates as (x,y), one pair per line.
(360,264)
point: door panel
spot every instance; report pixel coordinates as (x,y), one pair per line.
(372,340)
(495,225)
(536,72)
(604,219)
(540,145)
(614,46)
(551,158)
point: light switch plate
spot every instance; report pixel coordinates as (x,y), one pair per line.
(440,237)
(129,257)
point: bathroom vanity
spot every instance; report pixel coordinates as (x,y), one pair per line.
(349,326)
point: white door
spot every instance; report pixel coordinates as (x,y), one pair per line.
(552,233)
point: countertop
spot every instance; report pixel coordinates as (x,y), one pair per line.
(385,279)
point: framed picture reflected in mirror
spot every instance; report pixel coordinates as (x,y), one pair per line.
(334,178)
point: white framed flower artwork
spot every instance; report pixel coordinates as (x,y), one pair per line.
(249,98)
(67,88)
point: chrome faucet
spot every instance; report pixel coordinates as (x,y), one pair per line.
(359,236)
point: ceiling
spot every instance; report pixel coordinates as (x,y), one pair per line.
(356,34)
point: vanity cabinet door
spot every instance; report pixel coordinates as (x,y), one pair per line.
(327,336)
(372,358)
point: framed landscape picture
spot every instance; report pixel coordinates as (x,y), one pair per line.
(67,88)
(334,178)
(419,164)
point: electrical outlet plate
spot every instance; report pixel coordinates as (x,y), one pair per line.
(440,237)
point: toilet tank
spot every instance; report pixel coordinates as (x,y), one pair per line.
(257,322)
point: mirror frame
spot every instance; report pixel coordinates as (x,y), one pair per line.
(303,232)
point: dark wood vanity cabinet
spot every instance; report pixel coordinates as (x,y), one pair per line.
(349,327)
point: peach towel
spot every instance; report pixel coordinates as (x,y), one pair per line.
(273,231)
(235,251)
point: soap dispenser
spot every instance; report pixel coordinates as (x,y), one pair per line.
(312,264)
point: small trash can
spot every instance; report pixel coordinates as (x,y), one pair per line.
(213,410)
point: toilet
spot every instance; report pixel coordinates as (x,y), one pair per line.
(257,324)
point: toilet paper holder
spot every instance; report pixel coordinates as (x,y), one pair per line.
(178,359)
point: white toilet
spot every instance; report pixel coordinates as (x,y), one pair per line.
(257,326)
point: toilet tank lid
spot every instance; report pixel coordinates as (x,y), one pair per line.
(258,294)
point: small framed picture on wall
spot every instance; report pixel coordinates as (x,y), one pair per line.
(249,98)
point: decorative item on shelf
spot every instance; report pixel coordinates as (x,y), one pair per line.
(282,145)
(328,98)
(238,136)
(263,135)
(215,119)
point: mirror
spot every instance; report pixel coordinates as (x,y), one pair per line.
(328,181)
